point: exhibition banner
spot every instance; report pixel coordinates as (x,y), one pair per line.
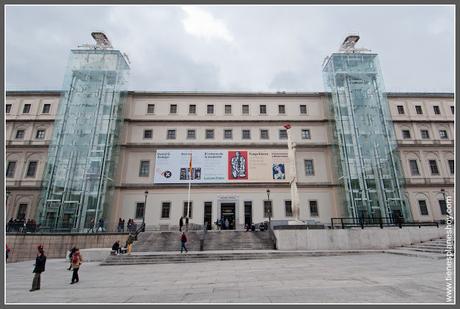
(220,166)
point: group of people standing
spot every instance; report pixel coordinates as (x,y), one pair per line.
(22,225)
(223,224)
(76,260)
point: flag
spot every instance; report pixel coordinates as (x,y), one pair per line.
(190,166)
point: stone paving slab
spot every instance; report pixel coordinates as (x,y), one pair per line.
(364,278)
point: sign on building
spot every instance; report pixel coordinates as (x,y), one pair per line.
(220,166)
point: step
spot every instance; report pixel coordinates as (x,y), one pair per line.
(416,254)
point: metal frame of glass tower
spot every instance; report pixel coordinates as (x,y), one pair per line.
(78,179)
(369,162)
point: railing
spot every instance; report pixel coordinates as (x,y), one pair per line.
(23,228)
(349,222)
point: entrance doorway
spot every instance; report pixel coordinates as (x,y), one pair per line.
(247,213)
(207,215)
(228,213)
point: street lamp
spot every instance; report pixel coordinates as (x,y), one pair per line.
(269,209)
(145,207)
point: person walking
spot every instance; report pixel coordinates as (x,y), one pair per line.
(183,240)
(72,251)
(227,223)
(129,243)
(77,259)
(40,262)
(181,223)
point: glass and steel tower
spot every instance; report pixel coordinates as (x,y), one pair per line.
(82,156)
(368,159)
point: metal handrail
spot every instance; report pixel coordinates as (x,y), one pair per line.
(347,222)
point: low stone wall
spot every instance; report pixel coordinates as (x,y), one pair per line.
(347,239)
(24,247)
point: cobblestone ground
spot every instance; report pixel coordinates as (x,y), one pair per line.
(370,278)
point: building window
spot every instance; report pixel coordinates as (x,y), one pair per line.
(19,134)
(26,109)
(8,108)
(406,134)
(313,209)
(443,134)
(22,211)
(210,109)
(414,168)
(139,210)
(40,134)
(263,109)
(228,134)
(283,134)
(228,109)
(246,134)
(10,169)
(400,109)
(148,133)
(189,210)
(433,167)
(32,169)
(303,109)
(165,210)
(418,109)
(425,134)
(443,207)
(192,109)
(268,211)
(451,166)
(245,109)
(423,207)
(263,134)
(191,134)
(288,208)
(209,133)
(436,110)
(281,109)
(173,108)
(144,168)
(150,108)
(452,109)
(306,134)
(309,170)
(171,134)
(46,108)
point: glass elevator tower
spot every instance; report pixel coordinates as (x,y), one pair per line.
(368,159)
(78,179)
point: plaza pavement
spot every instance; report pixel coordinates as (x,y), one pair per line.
(365,278)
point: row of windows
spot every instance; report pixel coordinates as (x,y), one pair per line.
(424,209)
(425,134)
(227,109)
(26,108)
(433,164)
(31,169)
(227,134)
(419,110)
(144,168)
(268,209)
(39,134)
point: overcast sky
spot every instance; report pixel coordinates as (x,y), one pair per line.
(233,48)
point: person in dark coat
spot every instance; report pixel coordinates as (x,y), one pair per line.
(186,224)
(40,262)
(76,262)
(116,247)
(183,240)
(181,223)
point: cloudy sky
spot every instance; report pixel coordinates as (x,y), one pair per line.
(233,48)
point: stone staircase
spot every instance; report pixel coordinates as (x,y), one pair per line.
(435,249)
(162,241)
(209,256)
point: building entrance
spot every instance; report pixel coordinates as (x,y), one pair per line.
(228,213)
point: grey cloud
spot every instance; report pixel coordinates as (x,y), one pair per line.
(275,48)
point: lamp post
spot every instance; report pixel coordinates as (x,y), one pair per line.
(445,199)
(145,207)
(269,210)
